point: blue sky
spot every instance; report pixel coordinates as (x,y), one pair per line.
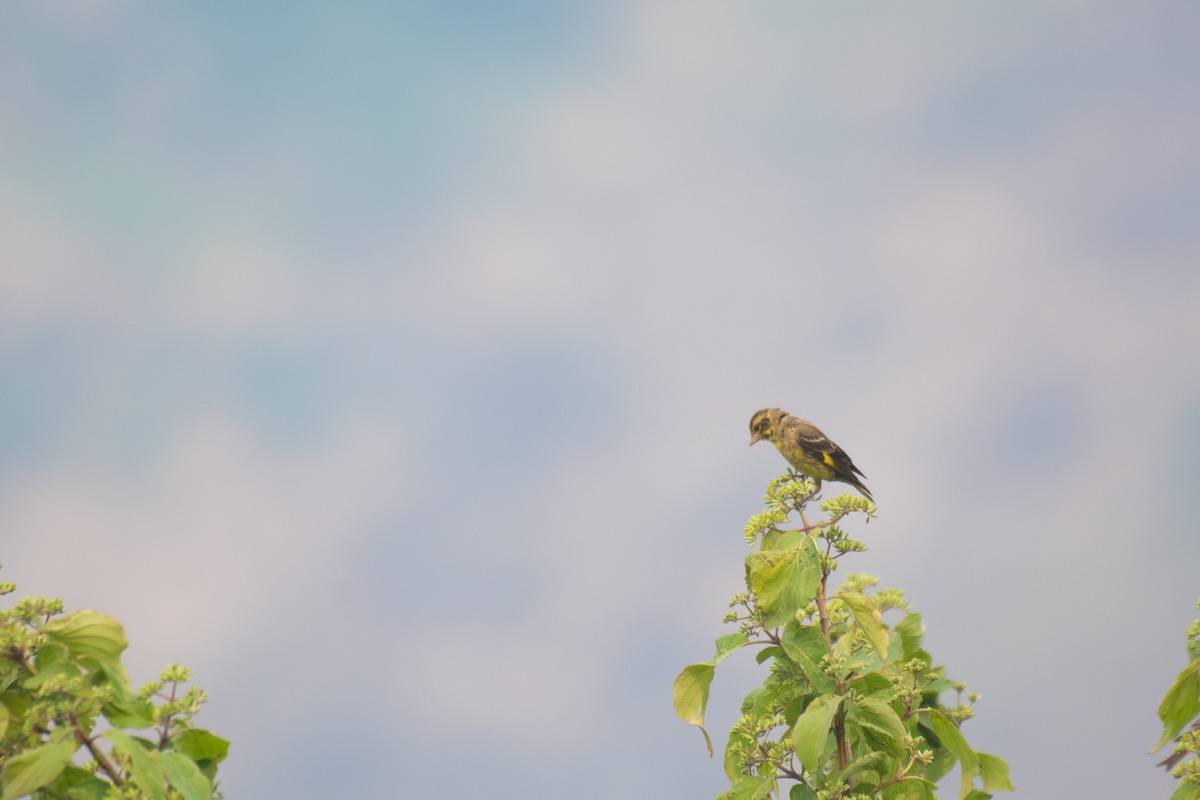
(390,364)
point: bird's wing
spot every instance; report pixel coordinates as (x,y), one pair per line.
(821,448)
(809,437)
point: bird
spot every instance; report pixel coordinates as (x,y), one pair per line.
(809,451)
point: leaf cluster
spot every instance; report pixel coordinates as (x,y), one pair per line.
(68,713)
(1179,706)
(851,706)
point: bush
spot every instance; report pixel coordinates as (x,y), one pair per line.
(67,712)
(850,708)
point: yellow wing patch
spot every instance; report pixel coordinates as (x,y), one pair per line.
(827,458)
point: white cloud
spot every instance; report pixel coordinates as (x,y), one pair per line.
(237,285)
(504,269)
(218,540)
(43,271)
(83,14)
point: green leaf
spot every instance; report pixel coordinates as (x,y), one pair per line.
(910,789)
(865,660)
(77,784)
(766,700)
(880,764)
(941,765)
(4,717)
(802,791)
(727,645)
(17,702)
(784,581)
(795,707)
(200,745)
(752,698)
(994,771)
(806,646)
(1181,703)
(911,631)
(881,724)
(147,772)
(895,652)
(125,709)
(843,650)
(750,787)
(53,658)
(129,713)
(186,777)
(89,634)
(977,794)
(810,734)
(734,762)
(691,696)
(1187,791)
(953,740)
(766,653)
(33,769)
(869,620)
(875,685)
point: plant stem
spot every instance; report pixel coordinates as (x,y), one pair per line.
(821,610)
(839,733)
(82,737)
(839,721)
(165,733)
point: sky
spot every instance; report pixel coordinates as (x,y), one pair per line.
(390,364)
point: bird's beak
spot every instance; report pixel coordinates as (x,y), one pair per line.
(754,437)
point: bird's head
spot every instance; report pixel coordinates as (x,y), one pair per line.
(763,424)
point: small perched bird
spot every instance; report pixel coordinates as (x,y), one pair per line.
(806,448)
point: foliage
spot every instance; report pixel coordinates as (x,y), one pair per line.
(62,683)
(1180,706)
(850,707)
